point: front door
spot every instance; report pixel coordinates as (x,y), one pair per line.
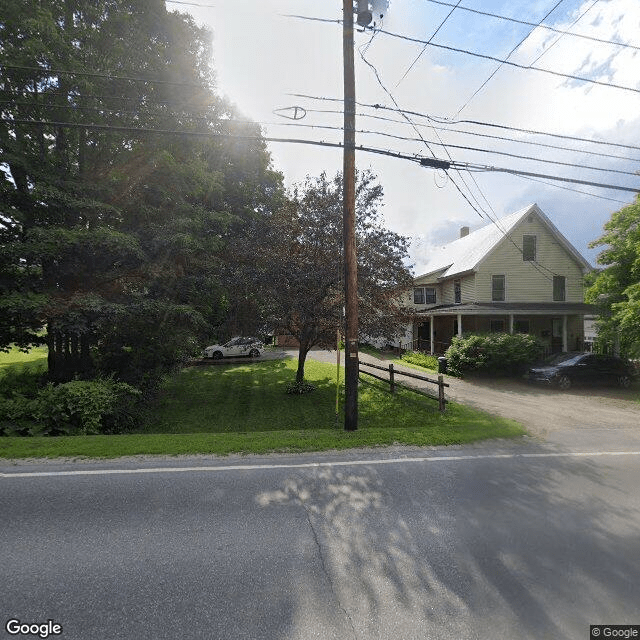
(424,336)
(556,335)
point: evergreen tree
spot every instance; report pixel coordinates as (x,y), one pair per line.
(105,224)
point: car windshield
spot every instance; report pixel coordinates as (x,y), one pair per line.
(564,359)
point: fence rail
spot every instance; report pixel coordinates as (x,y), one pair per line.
(392,382)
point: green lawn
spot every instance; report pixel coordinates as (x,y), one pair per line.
(244,409)
(18,359)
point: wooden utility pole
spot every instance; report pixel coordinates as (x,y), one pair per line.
(349,225)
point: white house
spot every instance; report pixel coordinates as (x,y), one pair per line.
(519,275)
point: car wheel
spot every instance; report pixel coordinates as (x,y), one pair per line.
(624,382)
(217,355)
(564,382)
(254,353)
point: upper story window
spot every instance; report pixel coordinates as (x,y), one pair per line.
(498,288)
(559,288)
(457,291)
(424,295)
(529,248)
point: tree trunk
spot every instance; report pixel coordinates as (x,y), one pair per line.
(69,355)
(302,356)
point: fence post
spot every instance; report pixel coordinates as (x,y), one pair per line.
(441,402)
(392,383)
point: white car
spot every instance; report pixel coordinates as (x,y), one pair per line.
(251,347)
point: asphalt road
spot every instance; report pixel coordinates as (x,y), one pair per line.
(496,541)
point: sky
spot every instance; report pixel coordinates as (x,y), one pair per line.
(262,57)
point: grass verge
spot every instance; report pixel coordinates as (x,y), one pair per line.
(244,409)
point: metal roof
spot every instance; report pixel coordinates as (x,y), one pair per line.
(464,254)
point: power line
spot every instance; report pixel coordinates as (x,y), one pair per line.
(379,80)
(555,42)
(469,133)
(443,120)
(542,26)
(486,82)
(433,35)
(558,186)
(200,118)
(511,64)
(484,56)
(538,267)
(98,74)
(387,152)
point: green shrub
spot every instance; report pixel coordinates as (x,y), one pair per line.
(492,353)
(77,407)
(421,359)
(25,379)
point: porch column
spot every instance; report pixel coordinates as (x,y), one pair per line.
(431,336)
(565,341)
(459,325)
(511,323)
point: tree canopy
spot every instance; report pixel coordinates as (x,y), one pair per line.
(616,288)
(113,234)
(298,264)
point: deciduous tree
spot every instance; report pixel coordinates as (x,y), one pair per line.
(298,265)
(616,288)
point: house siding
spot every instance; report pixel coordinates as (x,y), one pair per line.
(527,281)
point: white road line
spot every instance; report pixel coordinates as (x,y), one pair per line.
(315,465)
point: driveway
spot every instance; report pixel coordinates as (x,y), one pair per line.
(593,414)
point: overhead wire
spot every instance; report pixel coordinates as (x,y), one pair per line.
(500,65)
(198,117)
(555,42)
(99,74)
(483,56)
(388,152)
(558,186)
(382,85)
(542,26)
(444,120)
(433,35)
(537,266)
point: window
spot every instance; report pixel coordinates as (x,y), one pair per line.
(457,291)
(559,288)
(521,326)
(424,295)
(497,326)
(430,295)
(529,248)
(497,288)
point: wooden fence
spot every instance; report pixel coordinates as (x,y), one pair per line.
(392,382)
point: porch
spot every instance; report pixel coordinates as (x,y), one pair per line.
(559,327)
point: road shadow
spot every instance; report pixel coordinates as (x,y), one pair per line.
(535,548)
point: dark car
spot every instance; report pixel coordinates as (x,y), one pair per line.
(566,369)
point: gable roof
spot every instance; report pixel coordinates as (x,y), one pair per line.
(465,254)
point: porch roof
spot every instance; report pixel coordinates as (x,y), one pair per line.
(508,308)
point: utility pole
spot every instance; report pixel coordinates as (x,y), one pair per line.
(349,225)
